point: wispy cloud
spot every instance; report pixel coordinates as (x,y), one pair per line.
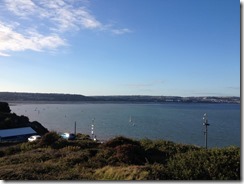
(3,54)
(56,17)
(21,8)
(62,15)
(14,41)
(121,31)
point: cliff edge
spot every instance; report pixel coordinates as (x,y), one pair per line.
(10,120)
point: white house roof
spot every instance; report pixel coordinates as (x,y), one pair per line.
(16,132)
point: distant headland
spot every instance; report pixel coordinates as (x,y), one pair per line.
(54,97)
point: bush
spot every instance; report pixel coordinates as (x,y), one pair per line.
(75,158)
(12,150)
(71,148)
(80,136)
(214,164)
(60,143)
(157,172)
(161,151)
(120,141)
(4,107)
(155,156)
(224,164)
(120,159)
(85,143)
(49,139)
(130,154)
(28,146)
(103,157)
(122,173)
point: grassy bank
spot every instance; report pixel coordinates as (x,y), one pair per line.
(53,158)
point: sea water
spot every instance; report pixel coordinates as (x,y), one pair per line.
(178,122)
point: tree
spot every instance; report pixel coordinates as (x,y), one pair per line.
(4,107)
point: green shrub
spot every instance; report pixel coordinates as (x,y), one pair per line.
(28,146)
(86,143)
(80,136)
(60,143)
(160,151)
(103,157)
(118,141)
(157,172)
(154,155)
(122,173)
(75,159)
(49,139)
(54,158)
(12,150)
(71,148)
(130,154)
(224,164)
(214,164)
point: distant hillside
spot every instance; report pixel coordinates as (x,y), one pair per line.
(167,99)
(11,96)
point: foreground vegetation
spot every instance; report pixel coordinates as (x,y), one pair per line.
(53,158)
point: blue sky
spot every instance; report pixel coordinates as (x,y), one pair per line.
(121,47)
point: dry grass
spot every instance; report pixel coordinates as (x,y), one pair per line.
(121,159)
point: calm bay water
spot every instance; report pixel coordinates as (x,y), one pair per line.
(178,122)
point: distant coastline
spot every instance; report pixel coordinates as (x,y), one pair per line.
(17,97)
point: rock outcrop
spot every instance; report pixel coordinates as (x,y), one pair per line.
(10,120)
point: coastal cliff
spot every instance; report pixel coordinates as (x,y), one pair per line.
(10,120)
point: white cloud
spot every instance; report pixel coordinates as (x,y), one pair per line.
(14,41)
(21,8)
(3,54)
(121,31)
(56,17)
(63,15)
(66,16)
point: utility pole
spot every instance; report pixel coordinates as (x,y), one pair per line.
(75,128)
(206,124)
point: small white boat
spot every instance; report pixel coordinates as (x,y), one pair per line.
(130,121)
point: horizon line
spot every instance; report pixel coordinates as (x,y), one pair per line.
(119,95)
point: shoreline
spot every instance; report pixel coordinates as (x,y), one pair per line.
(13,103)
